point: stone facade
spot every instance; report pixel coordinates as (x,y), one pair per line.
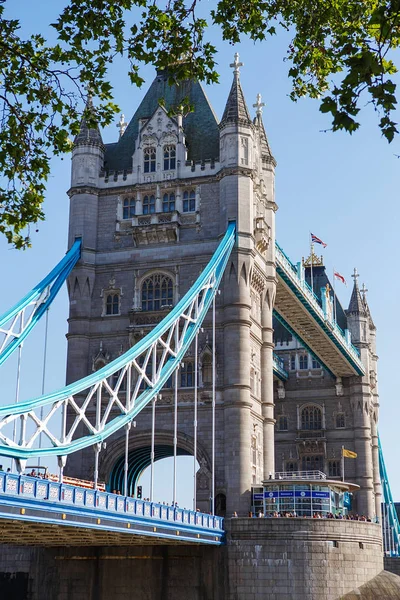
(161,220)
(271,559)
(152,208)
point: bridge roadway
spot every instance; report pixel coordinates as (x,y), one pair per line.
(40,512)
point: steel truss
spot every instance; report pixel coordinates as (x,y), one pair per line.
(107,400)
(18,322)
(390,520)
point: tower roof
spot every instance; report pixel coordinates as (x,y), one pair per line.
(364,298)
(356,304)
(201,146)
(88,136)
(266,153)
(236,110)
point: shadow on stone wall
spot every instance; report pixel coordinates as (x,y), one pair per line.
(385,586)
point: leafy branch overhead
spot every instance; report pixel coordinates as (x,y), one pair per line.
(341,52)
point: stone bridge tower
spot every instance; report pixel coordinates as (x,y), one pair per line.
(151,209)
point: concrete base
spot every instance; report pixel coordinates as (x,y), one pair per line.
(271,559)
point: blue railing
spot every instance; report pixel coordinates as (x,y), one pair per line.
(279,367)
(309,298)
(390,520)
(66,496)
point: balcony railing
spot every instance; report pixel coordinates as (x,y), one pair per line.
(298,475)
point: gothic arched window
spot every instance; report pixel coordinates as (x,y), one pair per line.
(340,422)
(168,204)
(112,304)
(149,155)
(311,418)
(169,157)
(189,201)
(312,463)
(157,291)
(303,361)
(149,205)
(128,208)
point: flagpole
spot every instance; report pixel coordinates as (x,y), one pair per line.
(342,463)
(334,294)
(312,254)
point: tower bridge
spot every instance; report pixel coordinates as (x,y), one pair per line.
(188,320)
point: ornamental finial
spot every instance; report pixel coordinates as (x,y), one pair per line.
(364,291)
(236,64)
(259,106)
(122,125)
(355,275)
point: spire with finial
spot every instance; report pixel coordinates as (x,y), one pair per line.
(122,125)
(364,291)
(89,136)
(259,106)
(236,65)
(236,110)
(266,153)
(356,305)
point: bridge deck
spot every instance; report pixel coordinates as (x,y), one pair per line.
(41,512)
(297,307)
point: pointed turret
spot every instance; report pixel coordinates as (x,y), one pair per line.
(236,110)
(265,149)
(356,305)
(364,298)
(88,136)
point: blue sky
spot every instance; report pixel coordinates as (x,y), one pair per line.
(343,188)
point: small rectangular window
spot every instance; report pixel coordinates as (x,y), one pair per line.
(315,364)
(189,201)
(112,304)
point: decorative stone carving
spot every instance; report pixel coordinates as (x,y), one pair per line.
(203,476)
(281,390)
(262,234)
(101,358)
(339,386)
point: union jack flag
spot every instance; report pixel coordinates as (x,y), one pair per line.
(316,240)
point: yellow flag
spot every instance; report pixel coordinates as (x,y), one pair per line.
(349,453)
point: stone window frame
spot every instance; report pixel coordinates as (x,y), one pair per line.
(303,362)
(113,292)
(169,202)
(315,364)
(189,201)
(152,274)
(169,157)
(283,419)
(149,159)
(292,362)
(312,457)
(128,207)
(340,417)
(149,204)
(186,374)
(314,407)
(334,467)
